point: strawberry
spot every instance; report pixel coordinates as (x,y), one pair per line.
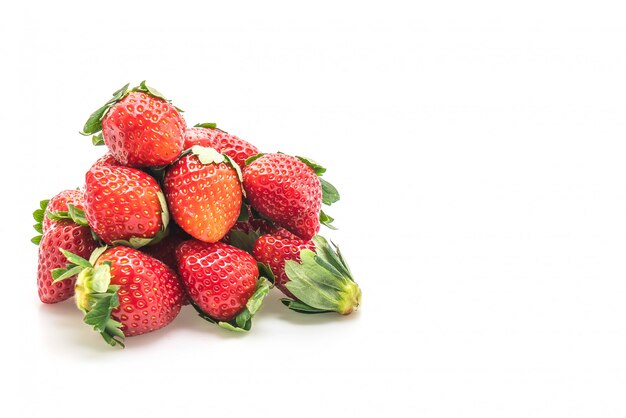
(106,160)
(207,135)
(204,193)
(123,292)
(274,251)
(139,126)
(124,205)
(314,276)
(61,235)
(285,190)
(202,136)
(221,281)
(58,203)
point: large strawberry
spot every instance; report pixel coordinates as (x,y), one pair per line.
(208,135)
(223,282)
(140,127)
(314,275)
(123,292)
(124,205)
(285,190)
(203,190)
(63,234)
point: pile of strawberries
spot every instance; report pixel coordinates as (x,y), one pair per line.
(174,215)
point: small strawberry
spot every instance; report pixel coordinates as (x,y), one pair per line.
(207,135)
(61,235)
(123,292)
(285,190)
(140,127)
(222,281)
(124,205)
(198,135)
(314,275)
(58,203)
(106,160)
(203,190)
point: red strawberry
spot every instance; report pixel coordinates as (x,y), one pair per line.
(106,160)
(207,135)
(124,205)
(140,127)
(314,275)
(274,251)
(59,203)
(285,190)
(67,235)
(204,194)
(204,137)
(222,282)
(124,292)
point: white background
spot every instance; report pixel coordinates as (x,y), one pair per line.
(479,149)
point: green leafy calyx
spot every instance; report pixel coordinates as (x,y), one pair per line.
(322,281)
(319,170)
(327,220)
(244,240)
(39,215)
(75,214)
(253,158)
(243,321)
(208,125)
(208,155)
(94,293)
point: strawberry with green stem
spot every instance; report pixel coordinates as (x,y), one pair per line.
(60,232)
(222,282)
(287,191)
(123,292)
(125,206)
(203,191)
(140,127)
(315,276)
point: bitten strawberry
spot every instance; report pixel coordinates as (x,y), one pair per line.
(207,135)
(285,190)
(62,235)
(314,275)
(222,281)
(203,190)
(140,127)
(123,292)
(124,205)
